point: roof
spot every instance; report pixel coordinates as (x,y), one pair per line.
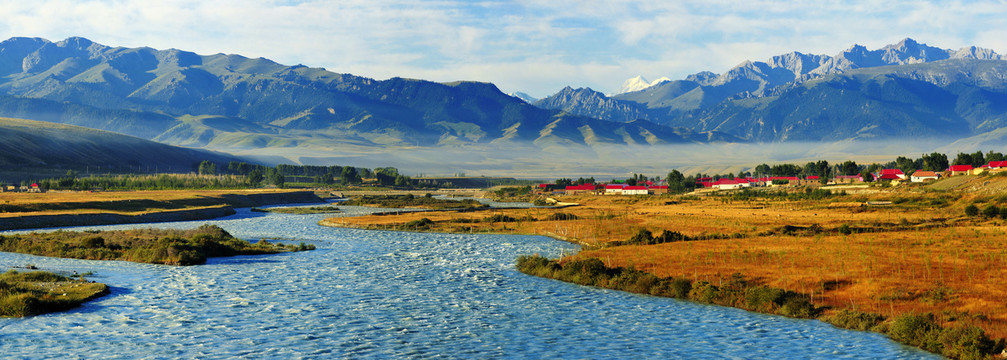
(960,168)
(812,177)
(891,171)
(889,177)
(997,164)
(924,173)
(580,187)
(615,186)
(659,187)
(635,188)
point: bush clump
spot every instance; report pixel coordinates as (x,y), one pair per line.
(560,216)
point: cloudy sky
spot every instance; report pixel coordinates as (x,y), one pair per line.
(521,45)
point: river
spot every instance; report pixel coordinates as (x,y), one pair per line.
(381,294)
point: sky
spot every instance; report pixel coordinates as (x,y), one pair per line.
(536,47)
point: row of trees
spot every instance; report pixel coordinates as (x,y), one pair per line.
(323,175)
(678,182)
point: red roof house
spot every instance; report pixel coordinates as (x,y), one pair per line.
(960,169)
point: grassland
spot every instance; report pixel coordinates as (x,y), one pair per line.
(13,204)
(422,202)
(34,293)
(891,252)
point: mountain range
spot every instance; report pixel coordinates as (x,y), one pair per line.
(903,90)
(231,102)
(279,113)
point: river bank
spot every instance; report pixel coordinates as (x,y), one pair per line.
(31,211)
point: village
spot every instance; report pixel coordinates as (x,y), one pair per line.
(891,177)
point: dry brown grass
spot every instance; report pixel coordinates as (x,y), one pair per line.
(119,202)
(922,257)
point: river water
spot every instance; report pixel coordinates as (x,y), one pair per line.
(380,294)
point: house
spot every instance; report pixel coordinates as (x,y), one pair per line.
(579,189)
(614,189)
(889,174)
(34,188)
(633,190)
(960,169)
(888,177)
(978,170)
(849,179)
(921,176)
(790,180)
(727,184)
(658,189)
(997,166)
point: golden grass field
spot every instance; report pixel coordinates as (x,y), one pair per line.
(918,254)
(14,204)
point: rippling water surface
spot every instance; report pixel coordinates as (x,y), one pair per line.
(376,294)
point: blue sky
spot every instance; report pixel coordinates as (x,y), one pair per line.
(532,46)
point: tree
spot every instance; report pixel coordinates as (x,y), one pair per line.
(675,177)
(255,177)
(905,164)
(277,179)
(935,162)
(207,168)
(994,156)
(849,167)
(349,175)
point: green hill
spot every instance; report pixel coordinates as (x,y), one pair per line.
(27,144)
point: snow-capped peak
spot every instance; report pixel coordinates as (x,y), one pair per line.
(638,83)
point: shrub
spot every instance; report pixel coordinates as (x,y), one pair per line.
(966,343)
(669,236)
(797,306)
(991,211)
(855,320)
(845,229)
(92,242)
(681,288)
(643,236)
(499,218)
(421,224)
(562,216)
(972,210)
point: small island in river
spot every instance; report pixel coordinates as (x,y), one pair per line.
(154,246)
(37,292)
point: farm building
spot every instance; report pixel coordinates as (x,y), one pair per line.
(921,176)
(960,169)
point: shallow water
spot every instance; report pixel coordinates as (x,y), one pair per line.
(378,294)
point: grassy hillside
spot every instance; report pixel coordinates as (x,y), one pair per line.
(26,144)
